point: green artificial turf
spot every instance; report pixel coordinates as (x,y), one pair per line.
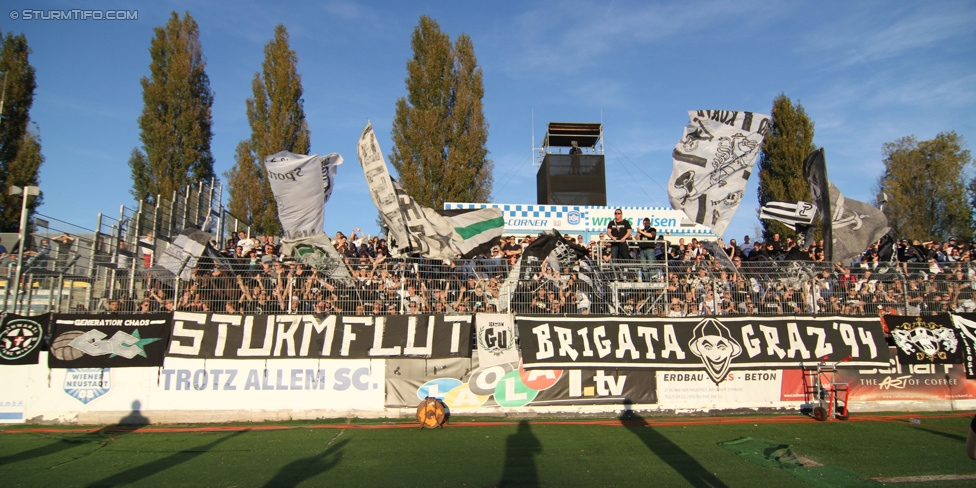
(515,454)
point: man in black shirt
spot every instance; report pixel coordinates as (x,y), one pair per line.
(619,231)
(647,241)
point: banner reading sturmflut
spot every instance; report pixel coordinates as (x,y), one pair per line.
(108,340)
(205,335)
(712,162)
(713,344)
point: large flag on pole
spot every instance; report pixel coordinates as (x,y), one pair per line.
(815,172)
(417,229)
(302,185)
(712,162)
(848,226)
(855,225)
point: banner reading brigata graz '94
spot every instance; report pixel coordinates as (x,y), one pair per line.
(205,335)
(108,341)
(714,344)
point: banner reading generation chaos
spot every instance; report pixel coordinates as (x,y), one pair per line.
(715,344)
(205,335)
(108,341)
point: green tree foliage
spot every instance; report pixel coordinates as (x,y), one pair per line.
(277,118)
(20,144)
(439,131)
(175,125)
(246,185)
(925,182)
(788,143)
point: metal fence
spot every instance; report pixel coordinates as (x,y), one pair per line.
(93,276)
(69,268)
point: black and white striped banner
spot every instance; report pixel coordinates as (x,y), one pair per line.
(788,213)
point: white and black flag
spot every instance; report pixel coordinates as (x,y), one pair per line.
(855,225)
(301,185)
(712,162)
(180,257)
(791,214)
(415,229)
(848,226)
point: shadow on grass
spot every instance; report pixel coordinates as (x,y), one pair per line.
(300,470)
(52,448)
(947,435)
(133,421)
(669,452)
(143,471)
(520,451)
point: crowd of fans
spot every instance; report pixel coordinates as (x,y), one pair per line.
(684,279)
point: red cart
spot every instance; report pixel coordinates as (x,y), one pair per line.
(825,391)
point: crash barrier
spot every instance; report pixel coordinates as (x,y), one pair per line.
(189,366)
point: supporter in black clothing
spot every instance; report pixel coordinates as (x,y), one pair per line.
(619,232)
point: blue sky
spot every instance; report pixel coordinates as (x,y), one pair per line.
(865,72)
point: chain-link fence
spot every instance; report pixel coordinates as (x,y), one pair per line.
(103,278)
(69,268)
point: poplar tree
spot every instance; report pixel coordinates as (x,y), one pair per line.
(276,115)
(788,142)
(175,125)
(20,143)
(925,182)
(439,130)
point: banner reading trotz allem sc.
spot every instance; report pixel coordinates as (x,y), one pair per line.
(301,185)
(211,336)
(712,162)
(713,344)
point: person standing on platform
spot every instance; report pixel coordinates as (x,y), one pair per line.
(647,242)
(574,159)
(619,231)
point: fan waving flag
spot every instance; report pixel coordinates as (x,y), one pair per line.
(848,226)
(855,225)
(301,185)
(815,172)
(712,162)
(475,231)
(414,228)
(791,214)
